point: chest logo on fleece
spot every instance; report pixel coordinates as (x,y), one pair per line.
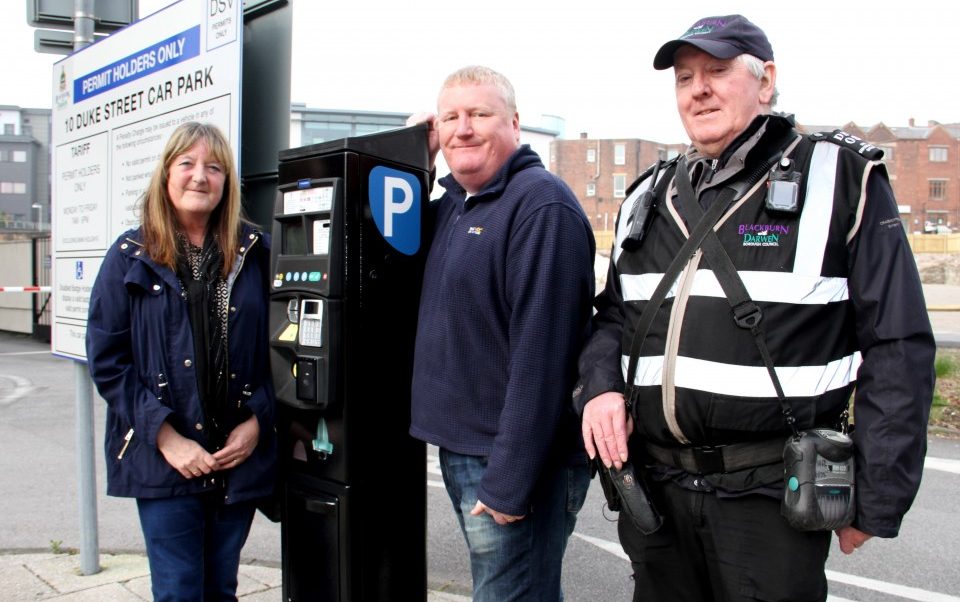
(478,230)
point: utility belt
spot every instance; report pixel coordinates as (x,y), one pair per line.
(715,459)
(818,465)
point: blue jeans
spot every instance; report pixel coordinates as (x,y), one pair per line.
(520,561)
(193,545)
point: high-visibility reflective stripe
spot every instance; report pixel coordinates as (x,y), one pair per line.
(772,287)
(640,287)
(814,227)
(748,381)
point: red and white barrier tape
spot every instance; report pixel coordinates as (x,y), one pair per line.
(24,289)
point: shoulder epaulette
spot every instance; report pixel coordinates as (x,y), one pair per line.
(854,143)
(649,171)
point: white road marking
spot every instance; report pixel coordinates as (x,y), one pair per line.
(893,589)
(944,464)
(607,546)
(21,388)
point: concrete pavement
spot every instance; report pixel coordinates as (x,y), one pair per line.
(123,578)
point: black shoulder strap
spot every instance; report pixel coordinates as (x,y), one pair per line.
(705,223)
(658,166)
(692,243)
(746,313)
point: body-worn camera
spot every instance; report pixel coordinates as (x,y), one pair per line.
(783,189)
(818,488)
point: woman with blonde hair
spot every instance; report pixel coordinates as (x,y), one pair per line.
(177,346)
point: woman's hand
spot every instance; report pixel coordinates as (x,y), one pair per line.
(240,444)
(186,455)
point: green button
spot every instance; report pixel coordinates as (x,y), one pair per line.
(793,484)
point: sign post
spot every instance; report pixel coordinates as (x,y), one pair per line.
(74,17)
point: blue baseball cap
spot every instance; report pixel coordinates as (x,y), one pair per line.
(723,37)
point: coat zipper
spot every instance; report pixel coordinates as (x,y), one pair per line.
(126,443)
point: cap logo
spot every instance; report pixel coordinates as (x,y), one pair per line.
(704,27)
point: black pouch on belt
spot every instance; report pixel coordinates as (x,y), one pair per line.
(627,492)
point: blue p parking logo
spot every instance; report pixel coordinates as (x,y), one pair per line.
(395,205)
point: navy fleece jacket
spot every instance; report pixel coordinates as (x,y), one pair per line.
(504,310)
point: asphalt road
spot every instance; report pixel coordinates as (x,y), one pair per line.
(39,508)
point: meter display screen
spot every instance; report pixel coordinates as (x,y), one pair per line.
(308,200)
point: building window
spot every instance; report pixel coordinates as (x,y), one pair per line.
(8,129)
(591,189)
(938,154)
(19,188)
(19,156)
(591,155)
(6,187)
(938,190)
(887,152)
(315,132)
(619,185)
(619,154)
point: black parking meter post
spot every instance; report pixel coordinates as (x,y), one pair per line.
(349,243)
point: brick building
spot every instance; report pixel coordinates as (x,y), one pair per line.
(600,170)
(923,162)
(924,167)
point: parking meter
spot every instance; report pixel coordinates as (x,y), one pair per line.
(348,255)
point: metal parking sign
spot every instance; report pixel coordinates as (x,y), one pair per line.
(395,206)
(115,103)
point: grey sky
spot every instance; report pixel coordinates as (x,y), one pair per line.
(589,62)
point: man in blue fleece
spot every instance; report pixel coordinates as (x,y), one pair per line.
(504,310)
